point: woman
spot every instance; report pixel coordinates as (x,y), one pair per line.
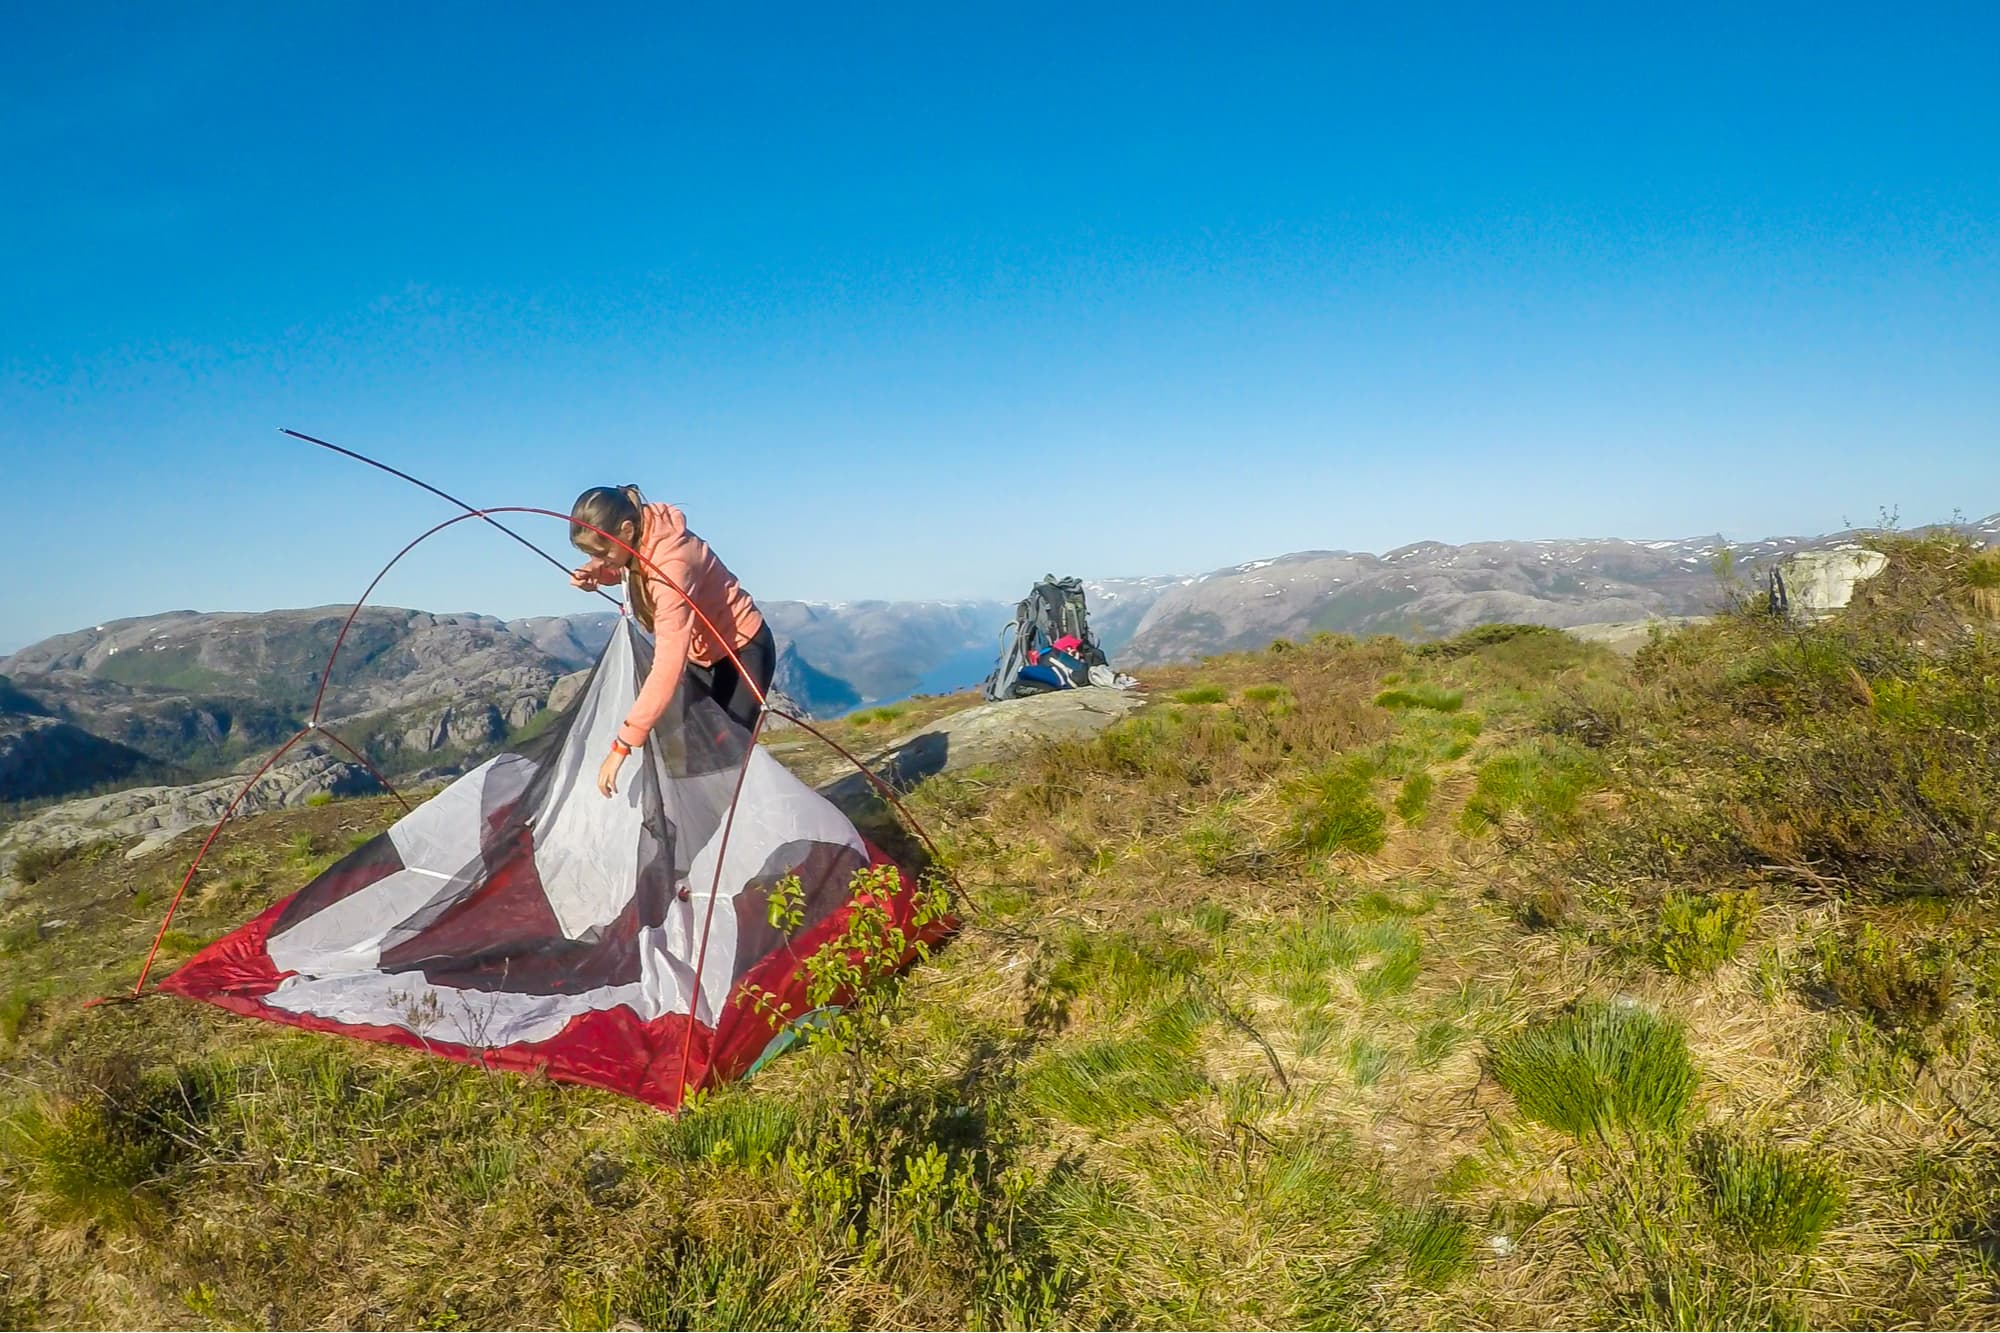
(682,643)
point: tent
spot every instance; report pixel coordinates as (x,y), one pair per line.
(521,920)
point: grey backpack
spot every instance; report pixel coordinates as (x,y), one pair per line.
(1053,610)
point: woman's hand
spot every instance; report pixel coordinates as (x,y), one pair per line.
(607,773)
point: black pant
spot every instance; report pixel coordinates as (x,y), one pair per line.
(724,683)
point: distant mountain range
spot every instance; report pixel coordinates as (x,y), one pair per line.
(186,695)
(1430,589)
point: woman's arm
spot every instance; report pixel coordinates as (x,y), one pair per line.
(673,635)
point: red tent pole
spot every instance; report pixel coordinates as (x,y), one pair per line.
(206,844)
(714,892)
(715,636)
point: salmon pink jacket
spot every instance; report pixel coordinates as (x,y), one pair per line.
(679,637)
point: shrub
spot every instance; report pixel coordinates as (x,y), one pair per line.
(92,1153)
(1600,1067)
(1898,986)
(35,864)
(1696,933)
(1542,907)
(1983,570)
(1770,1198)
(1488,636)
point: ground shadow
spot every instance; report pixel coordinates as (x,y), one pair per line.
(902,768)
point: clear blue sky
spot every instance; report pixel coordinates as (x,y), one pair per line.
(926,301)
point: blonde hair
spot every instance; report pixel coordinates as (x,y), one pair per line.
(608,508)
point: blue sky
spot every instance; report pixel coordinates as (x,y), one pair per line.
(925,301)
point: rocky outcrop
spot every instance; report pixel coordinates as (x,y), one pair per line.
(141,818)
(1627,637)
(391,658)
(1814,584)
(564,692)
(574,641)
(200,692)
(453,727)
(980,734)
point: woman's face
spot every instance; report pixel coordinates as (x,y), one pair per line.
(602,553)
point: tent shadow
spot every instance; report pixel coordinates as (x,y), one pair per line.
(903,768)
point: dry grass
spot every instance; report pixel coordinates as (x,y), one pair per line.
(1608,1026)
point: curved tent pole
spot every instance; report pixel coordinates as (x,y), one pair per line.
(340,641)
(715,636)
(312,725)
(421,484)
(208,842)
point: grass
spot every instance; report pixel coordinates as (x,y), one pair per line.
(1542,780)
(1200,694)
(1601,1068)
(1334,810)
(737,1127)
(1107,1082)
(1764,1196)
(1435,1242)
(1267,1016)
(1422,695)
(1414,799)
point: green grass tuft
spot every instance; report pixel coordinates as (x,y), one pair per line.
(1414,800)
(1201,694)
(15,1007)
(1367,1060)
(739,1127)
(1422,695)
(1543,779)
(875,717)
(1770,1198)
(1111,1081)
(1601,1067)
(1334,811)
(1435,1242)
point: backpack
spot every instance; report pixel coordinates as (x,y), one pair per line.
(1053,610)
